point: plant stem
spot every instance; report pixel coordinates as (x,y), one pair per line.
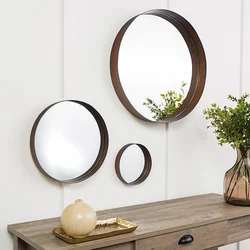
(229,197)
(235,169)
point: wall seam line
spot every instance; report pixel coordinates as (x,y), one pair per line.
(241,46)
(238,245)
(63,83)
(167,162)
(63,87)
(167,146)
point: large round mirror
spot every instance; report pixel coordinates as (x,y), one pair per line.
(69,141)
(158,66)
(133,164)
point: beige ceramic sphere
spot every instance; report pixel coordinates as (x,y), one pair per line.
(78,219)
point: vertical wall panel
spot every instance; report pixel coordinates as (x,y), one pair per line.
(30,79)
(90,28)
(202,164)
(245,245)
(196,163)
(246,47)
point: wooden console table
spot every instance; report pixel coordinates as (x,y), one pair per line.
(205,218)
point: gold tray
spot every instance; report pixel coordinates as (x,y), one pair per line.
(104,228)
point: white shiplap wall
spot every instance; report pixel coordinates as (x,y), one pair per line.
(54,50)
(245,72)
(88,37)
(202,164)
(30,79)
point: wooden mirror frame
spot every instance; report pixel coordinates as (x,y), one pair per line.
(198,58)
(103,142)
(147,165)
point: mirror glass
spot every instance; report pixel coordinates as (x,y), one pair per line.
(132,163)
(153,59)
(67,140)
(158,66)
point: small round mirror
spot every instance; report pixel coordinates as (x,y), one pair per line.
(158,66)
(69,141)
(133,163)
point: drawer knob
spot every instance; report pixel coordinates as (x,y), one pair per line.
(186,239)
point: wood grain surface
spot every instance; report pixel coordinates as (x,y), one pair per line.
(123,246)
(204,237)
(153,219)
(18,244)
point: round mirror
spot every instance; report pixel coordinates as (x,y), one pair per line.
(69,141)
(158,66)
(133,164)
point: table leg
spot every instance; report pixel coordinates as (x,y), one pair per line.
(19,244)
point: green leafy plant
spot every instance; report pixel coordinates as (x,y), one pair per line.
(171,101)
(231,124)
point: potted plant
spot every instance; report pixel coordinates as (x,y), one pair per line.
(232,125)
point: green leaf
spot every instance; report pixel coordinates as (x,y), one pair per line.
(171,101)
(231,124)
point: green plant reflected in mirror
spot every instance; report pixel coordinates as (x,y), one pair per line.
(170,103)
(154,56)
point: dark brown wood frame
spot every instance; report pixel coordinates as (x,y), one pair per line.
(198,63)
(102,151)
(146,169)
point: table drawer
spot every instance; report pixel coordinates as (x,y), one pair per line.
(123,246)
(204,237)
(238,229)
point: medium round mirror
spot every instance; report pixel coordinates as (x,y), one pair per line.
(69,141)
(158,66)
(133,164)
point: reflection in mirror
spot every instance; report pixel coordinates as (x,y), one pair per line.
(133,164)
(158,66)
(153,59)
(69,141)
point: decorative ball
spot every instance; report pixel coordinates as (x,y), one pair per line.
(78,219)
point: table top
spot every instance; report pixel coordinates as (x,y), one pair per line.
(152,218)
